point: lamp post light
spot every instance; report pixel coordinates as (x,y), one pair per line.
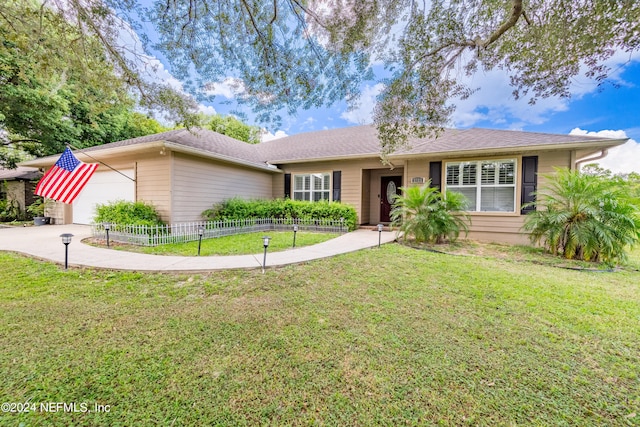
(295,230)
(200,234)
(265,243)
(107,227)
(66,239)
(379,233)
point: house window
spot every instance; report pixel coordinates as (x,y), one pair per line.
(313,187)
(488,185)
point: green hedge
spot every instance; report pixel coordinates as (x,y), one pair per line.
(128,213)
(282,208)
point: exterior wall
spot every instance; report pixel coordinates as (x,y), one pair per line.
(60,213)
(503,227)
(16,191)
(153,182)
(198,184)
(353,186)
(366,196)
(549,160)
(277,182)
(20,191)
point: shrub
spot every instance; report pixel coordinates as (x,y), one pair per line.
(40,206)
(423,212)
(127,213)
(10,211)
(585,217)
(282,208)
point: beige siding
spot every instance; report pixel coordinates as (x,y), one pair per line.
(278,186)
(497,228)
(352,178)
(198,184)
(549,160)
(153,182)
(418,168)
(366,196)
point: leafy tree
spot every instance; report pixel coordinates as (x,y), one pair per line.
(585,217)
(285,55)
(629,182)
(57,86)
(232,127)
(429,216)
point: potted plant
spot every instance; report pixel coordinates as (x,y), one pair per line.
(38,209)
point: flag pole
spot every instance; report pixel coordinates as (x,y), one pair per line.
(102,163)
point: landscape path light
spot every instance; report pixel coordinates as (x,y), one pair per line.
(379,233)
(107,227)
(200,234)
(66,239)
(265,243)
(295,230)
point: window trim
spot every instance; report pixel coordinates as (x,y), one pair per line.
(478,185)
(326,185)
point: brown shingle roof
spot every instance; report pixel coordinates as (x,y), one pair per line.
(20,173)
(363,141)
(357,141)
(344,142)
(200,139)
(487,139)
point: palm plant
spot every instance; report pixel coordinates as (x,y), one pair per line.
(424,213)
(584,217)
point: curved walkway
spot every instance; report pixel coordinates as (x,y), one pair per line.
(44,242)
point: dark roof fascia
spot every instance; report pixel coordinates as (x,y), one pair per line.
(326,159)
(106,153)
(591,144)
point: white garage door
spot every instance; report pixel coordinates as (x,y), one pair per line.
(103,187)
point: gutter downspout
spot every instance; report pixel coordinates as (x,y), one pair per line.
(602,155)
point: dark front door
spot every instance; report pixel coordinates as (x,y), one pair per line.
(389,188)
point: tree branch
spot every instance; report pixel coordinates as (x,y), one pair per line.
(516,11)
(18,141)
(275,13)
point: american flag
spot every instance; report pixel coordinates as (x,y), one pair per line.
(64,181)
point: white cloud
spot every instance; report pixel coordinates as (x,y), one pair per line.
(494,100)
(207,109)
(362,112)
(582,85)
(268,136)
(621,159)
(229,88)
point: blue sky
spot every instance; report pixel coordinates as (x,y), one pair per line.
(611,110)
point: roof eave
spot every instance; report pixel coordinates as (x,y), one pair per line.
(598,144)
(102,152)
(220,157)
(147,146)
(325,159)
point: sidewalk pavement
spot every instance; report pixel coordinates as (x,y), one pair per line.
(44,242)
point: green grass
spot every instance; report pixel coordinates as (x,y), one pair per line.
(239,244)
(390,336)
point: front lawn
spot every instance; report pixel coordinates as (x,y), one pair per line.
(390,336)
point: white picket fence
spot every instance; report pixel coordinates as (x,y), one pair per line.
(143,235)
